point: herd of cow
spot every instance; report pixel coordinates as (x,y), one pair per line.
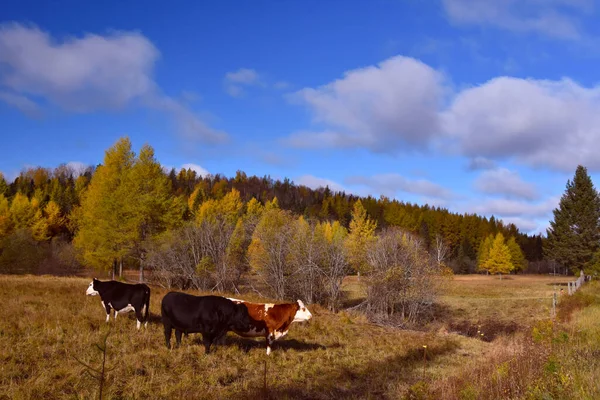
(212,316)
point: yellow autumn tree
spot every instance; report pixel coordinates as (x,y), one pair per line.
(217,221)
(23,211)
(361,234)
(499,261)
(106,228)
(270,247)
(6,222)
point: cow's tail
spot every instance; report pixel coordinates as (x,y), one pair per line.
(147,303)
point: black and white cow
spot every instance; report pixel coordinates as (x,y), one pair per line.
(213,316)
(122,297)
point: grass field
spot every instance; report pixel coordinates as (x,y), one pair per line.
(48,323)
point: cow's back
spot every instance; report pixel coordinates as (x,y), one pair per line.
(120,294)
(190,313)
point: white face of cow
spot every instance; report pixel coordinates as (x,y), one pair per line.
(90,290)
(302,314)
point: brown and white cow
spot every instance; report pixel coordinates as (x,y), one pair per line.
(272,320)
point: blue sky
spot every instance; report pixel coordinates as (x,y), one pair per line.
(479,106)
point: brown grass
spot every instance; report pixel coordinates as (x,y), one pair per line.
(48,322)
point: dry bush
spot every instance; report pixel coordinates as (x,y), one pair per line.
(176,260)
(402,282)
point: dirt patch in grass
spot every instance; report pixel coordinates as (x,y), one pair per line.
(486,330)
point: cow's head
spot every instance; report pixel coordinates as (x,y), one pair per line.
(241,319)
(92,290)
(302,314)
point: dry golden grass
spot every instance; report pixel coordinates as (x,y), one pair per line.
(48,322)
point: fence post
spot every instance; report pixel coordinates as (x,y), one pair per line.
(554,305)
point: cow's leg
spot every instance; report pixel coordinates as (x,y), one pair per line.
(178,336)
(168,331)
(140,317)
(220,338)
(270,340)
(116,313)
(107,309)
(207,339)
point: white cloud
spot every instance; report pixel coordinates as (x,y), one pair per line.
(514,208)
(281,85)
(189,125)
(77,167)
(524,224)
(85,74)
(242,77)
(537,122)
(80,73)
(383,107)
(504,182)
(554,18)
(321,140)
(396,106)
(314,182)
(479,163)
(20,102)
(390,184)
(195,167)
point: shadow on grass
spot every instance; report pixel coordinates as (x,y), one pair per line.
(247,344)
(379,379)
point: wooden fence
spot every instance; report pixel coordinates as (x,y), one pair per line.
(576,284)
(573,286)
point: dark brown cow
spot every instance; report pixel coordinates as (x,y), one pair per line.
(272,321)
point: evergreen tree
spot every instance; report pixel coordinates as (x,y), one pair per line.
(574,234)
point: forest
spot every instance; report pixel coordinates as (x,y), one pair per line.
(44,209)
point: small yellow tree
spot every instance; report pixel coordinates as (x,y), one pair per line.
(499,261)
(362,233)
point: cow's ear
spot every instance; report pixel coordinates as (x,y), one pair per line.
(300,303)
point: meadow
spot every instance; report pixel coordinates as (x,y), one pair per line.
(50,329)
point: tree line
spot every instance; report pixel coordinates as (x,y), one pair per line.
(59,193)
(249,233)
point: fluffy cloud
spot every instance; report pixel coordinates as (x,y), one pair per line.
(195,167)
(538,122)
(242,77)
(86,74)
(514,208)
(504,182)
(380,107)
(390,184)
(524,224)
(554,18)
(479,163)
(79,74)
(396,106)
(314,182)
(77,167)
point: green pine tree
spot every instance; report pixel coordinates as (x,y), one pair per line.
(574,234)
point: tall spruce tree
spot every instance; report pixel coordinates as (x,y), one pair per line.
(574,234)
